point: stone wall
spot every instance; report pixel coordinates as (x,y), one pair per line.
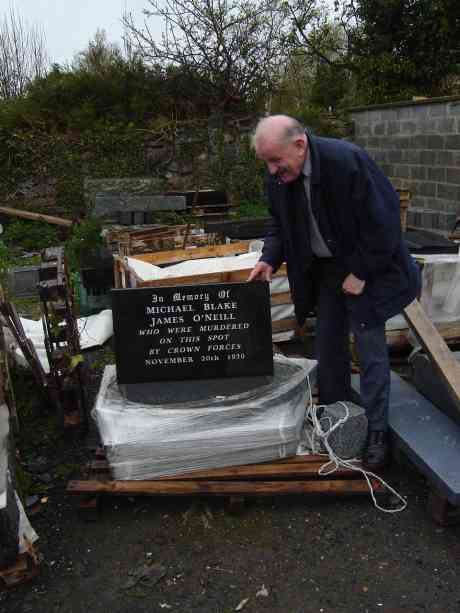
(417,145)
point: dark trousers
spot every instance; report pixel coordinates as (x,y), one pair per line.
(333,326)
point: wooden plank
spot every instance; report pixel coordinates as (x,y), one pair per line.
(57,221)
(218,488)
(255,471)
(436,347)
(180,255)
(399,338)
(281,298)
(201,279)
(229,276)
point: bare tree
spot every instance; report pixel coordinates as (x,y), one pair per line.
(234,47)
(22,55)
(320,34)
(99,56)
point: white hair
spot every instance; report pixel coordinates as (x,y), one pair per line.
(280,128)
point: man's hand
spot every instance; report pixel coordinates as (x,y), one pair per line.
(261,272)
(352,285)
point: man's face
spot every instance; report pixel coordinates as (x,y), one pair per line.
(284,160)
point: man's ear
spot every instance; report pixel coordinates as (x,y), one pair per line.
(301,144)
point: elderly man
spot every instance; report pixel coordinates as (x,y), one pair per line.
(336,223)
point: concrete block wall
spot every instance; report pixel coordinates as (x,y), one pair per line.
(417,145)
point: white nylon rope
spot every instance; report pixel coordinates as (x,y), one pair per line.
(335,462)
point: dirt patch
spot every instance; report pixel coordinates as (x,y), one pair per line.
(279,554)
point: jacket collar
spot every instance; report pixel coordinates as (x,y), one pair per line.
(314,156)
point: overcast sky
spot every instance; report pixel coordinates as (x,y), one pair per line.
(70,24)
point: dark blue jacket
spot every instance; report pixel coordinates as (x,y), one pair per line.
(359,217)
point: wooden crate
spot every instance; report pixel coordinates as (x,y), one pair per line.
(138,240)
(125,277)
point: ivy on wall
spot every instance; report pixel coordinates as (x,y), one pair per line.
(42,170)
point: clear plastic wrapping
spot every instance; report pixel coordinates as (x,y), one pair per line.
(148,441)
(440,294)
(441,286)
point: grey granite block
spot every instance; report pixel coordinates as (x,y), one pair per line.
(348,440)
(108,205)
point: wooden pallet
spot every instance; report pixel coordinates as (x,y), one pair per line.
(297,475)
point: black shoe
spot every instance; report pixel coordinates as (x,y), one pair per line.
(377,452)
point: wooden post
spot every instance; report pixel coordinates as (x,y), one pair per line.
(57,221)
(436,348)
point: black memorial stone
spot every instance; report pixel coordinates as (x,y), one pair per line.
(192,332)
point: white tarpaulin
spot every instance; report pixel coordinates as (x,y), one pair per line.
(94,330)
(26,534)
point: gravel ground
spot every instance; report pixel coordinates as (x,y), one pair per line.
(280,554)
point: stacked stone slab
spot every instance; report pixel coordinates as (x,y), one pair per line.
(417,145)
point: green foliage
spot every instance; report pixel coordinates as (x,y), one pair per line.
(105,356)
(6,262)
(170,217)
(30,235)
(405,47)
(100,116)
(5,257)
(123,92)
(252,209)
(234,168)
(330,85)
(29,307)
(233,48)
(322,123)
(86,236)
